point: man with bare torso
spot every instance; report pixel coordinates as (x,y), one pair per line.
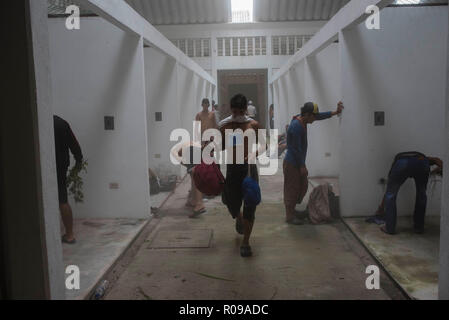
(235,140)
(206,117)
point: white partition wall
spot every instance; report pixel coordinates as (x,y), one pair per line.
(97,71)
(161,84)
(187,98)
(296,89)
(316,79)
(397,70)
(283,106)
(322,86)
(279,111)
(292,100)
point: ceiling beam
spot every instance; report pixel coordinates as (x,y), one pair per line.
(351,14)
(122,15)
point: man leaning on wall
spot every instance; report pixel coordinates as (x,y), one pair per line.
(295,171)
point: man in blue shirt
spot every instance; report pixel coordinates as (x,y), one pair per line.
(295,170)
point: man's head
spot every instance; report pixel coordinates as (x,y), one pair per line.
(239,105)
(250,103)
(309,111)
(205,104)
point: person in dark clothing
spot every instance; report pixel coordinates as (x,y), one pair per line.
(64,141)
(408,165)
(295,171)
(239,124)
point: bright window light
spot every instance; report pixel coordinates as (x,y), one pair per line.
(408,1)
(242,11)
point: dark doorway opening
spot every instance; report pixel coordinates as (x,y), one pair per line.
(253,83)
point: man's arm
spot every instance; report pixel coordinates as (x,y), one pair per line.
(327,115)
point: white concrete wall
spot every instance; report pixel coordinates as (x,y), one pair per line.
(97,71)
(322,86)
(399,69)
(161,84)
(317,79)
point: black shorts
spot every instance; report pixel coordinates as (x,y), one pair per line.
(233,195)
(62,184)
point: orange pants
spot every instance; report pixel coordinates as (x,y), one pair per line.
(295,188)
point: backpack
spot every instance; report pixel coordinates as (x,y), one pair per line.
(208,179)
(251,191)
(319,207)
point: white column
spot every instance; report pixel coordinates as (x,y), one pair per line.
(444,233)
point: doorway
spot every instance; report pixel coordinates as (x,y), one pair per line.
(252,83)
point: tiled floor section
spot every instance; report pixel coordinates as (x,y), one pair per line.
(99,244)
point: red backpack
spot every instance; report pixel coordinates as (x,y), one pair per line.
(208,179)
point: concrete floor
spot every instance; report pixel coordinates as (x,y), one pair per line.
(99,244)
(411,259)
(158,199)
(199,258)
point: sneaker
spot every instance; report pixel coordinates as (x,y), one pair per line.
(196,214)
(245,251)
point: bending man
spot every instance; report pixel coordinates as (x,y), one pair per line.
(408,165)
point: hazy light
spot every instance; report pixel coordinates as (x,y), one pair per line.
(242,11)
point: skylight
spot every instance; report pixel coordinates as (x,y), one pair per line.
(242,11)
(408,1)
